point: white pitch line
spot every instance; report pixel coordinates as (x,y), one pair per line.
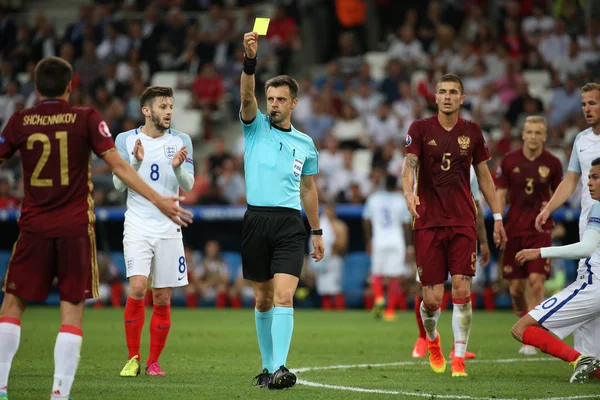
(417,394)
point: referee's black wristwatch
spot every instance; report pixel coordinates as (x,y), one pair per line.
(317,232)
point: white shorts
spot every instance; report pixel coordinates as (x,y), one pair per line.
(389,261)
(329,276)
(571,308)
(587,336)
(163,258)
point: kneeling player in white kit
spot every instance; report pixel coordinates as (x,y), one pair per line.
(152,244)
(575,305)
(386,215)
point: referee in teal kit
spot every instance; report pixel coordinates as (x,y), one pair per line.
(279,163)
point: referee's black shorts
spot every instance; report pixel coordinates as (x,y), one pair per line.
(273,240)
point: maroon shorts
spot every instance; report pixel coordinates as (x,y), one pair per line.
(510,269)
(445,249)
(36,261)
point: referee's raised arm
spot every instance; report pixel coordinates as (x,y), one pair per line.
(249,104)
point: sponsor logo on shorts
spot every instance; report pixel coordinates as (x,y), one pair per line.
(507,269)
(12,286)
(419,271)
(129,264)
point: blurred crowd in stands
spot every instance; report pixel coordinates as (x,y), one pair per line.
(516,58)
(357,105)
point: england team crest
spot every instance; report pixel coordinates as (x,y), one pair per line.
(170,150)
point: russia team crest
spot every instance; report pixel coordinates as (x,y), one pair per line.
(170,150)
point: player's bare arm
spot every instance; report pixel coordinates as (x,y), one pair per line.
(408,180)
(486,184)
(341,237)
(564,190)
(167,205)
(310,201)
(484,248)
(247,84)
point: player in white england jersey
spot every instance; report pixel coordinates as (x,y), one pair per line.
(576,305)
(152,244)
(387,226)
(585,149)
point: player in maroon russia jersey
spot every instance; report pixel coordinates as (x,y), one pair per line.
(57,238)
(528,177)
(441,149)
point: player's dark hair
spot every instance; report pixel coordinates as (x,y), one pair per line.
(284,80)
(52,75)
(596,162)
(450,77)
(152,92)
(391,183)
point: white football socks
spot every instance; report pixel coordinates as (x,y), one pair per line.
(10,336)
(430,319)
(66,359)
(462,316)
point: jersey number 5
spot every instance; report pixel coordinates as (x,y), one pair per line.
(63,148)
(446,161)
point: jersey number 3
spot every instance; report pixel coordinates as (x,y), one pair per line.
(529,187)
(63,148)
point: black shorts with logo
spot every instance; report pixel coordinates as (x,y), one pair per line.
(273,241)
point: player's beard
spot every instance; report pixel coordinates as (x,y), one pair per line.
(158,124)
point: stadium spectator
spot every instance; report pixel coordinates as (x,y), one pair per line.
(7,199)
(211,277)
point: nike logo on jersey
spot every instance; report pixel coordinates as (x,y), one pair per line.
(580,150)
(179,279)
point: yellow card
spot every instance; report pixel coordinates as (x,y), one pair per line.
(261,25)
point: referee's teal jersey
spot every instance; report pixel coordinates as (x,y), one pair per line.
(274,161)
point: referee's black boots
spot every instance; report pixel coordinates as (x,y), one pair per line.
(282,379)
(263,379)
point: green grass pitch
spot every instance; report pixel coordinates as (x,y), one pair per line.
(213,354)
